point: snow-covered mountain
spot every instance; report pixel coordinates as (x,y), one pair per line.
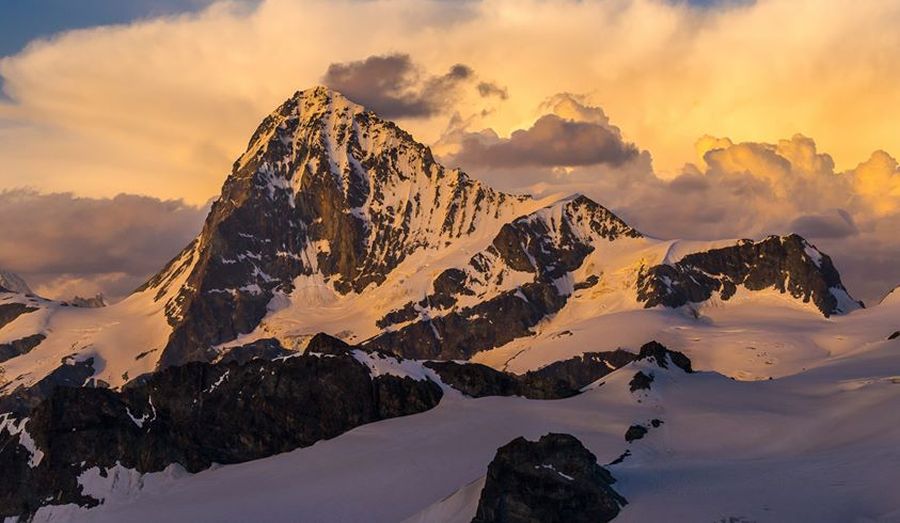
(12,282)
(336,221)
(334,209)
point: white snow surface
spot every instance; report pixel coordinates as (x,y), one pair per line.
(125,339)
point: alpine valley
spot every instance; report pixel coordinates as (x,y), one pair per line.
(361,334)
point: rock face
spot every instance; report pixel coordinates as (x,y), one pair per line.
(195,415)
(266,349)
(635,432)
(640,381)
(477,381)
(12,282)
(558,380)
(788,264)
(97,301)
(581,371)
(10,311)
(660,355)
(554,479)
(19,402)
(544,246)
(21,346)
(327,188)
(657,354)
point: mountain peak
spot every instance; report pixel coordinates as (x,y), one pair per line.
(14,283)
(326,188)
(325,97)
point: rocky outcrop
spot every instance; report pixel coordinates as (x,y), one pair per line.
(554,479)
(787,264)
(558,380)
(581,371)
(658,354)
(71,373)
(95,302)
(266,349)
(477,381)
(461,334)
(19,347)
(195,415)
(322,343)
(10,311)
(546,245)
(640,381)
(635,432)
(12,282)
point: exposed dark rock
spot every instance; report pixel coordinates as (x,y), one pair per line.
(548,249)
(621,458)
(894,336)
(11,311)
(322,343)
(638,431)
(476,380)
(95,302)
(640,381)
(19,347)
(266,349)
(22,400)
(195,415)
(581,371)
(551,480)
(782,263)
(461,334)
(659,354)
(561,379)
(144,354)
(591,281)
(635,432)
(552,250)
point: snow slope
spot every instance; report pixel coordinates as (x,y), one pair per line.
(125,339)
(813,446)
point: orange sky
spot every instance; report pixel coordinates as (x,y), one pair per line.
(162,107)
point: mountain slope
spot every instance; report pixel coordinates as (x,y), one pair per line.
(331,197)
(12,282)
(336,220)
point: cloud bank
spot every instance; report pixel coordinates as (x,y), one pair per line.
(64,245)
(394,87)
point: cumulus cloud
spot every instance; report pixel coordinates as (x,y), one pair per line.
(394,87)
(838,224)
(65,245)
(163,106)
(487,89)
(572,133)
(734,190)
(551,141)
